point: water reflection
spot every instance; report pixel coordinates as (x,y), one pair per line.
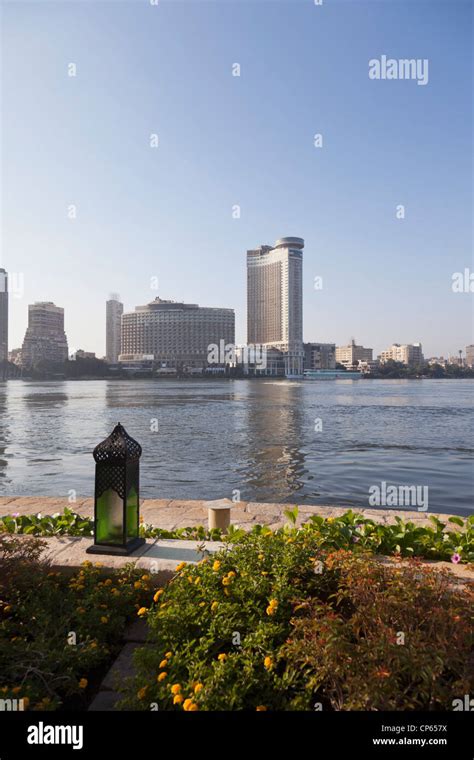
(275,424)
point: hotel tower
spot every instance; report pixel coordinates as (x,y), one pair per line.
(275,300)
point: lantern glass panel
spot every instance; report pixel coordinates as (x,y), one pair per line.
(132,513)
(109,526)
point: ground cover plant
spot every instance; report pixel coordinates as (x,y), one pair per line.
(276,622)
(59,633)
(450,541)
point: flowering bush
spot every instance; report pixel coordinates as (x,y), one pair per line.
(276,622)
(58,632)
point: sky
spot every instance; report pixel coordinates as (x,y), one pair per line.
(146,214)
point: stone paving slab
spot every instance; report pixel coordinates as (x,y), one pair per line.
(104,701)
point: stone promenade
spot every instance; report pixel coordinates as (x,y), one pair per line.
(175,513)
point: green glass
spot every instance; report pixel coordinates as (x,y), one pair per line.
(109,527)
(132,513)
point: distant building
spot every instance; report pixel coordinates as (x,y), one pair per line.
(437,360)
(367,367)
(176,334)
(80,354)
(352,354)
(137,363)
(114,311)
(470,356)
(275,300)
(45,339)
(260,361)
(14,356)
(319,355)
(410,354)
(3,315)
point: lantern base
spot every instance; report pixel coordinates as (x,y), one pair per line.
(132,545)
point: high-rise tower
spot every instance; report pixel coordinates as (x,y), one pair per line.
(114,311)
(275,300)
(45,339)
(3,316)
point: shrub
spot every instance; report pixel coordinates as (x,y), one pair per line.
(238,632)
(57,633)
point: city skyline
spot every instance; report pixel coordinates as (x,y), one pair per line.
(232,165)
(257,328)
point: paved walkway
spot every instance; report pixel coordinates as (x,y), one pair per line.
(174,513)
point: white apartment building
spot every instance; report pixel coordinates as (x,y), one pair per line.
(275,300)
(114,311)
(407,353)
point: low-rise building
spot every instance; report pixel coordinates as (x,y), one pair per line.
(319,355)
(352,354)
(410,354)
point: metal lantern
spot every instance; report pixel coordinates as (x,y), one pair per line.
(116,502)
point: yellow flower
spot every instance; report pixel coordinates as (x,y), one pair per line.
(108,582)
(180,566)
(163,664)
(190,579)
(98,564)
(214,606)
(330,519)
(202,604)
(193,707)
(231,574)
(158,594)
(268,662)
(189,705)
(221,657)
(168,655)
(264,572)
(162,676)
(197,581)
(226,581)
(104,619)
(137,584)
(145,577)
(93,645)
(142,611)
(83,683)
(260,708)
(142,692)
(271,610)
(199,687)
(226,592)
(261,556)
(115,591)
(216,565)
(176,688)
(177,699)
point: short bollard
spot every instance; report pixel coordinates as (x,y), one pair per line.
(219,515)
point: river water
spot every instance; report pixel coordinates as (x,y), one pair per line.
(276,441)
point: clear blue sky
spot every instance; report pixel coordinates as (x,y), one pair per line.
(247,140)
